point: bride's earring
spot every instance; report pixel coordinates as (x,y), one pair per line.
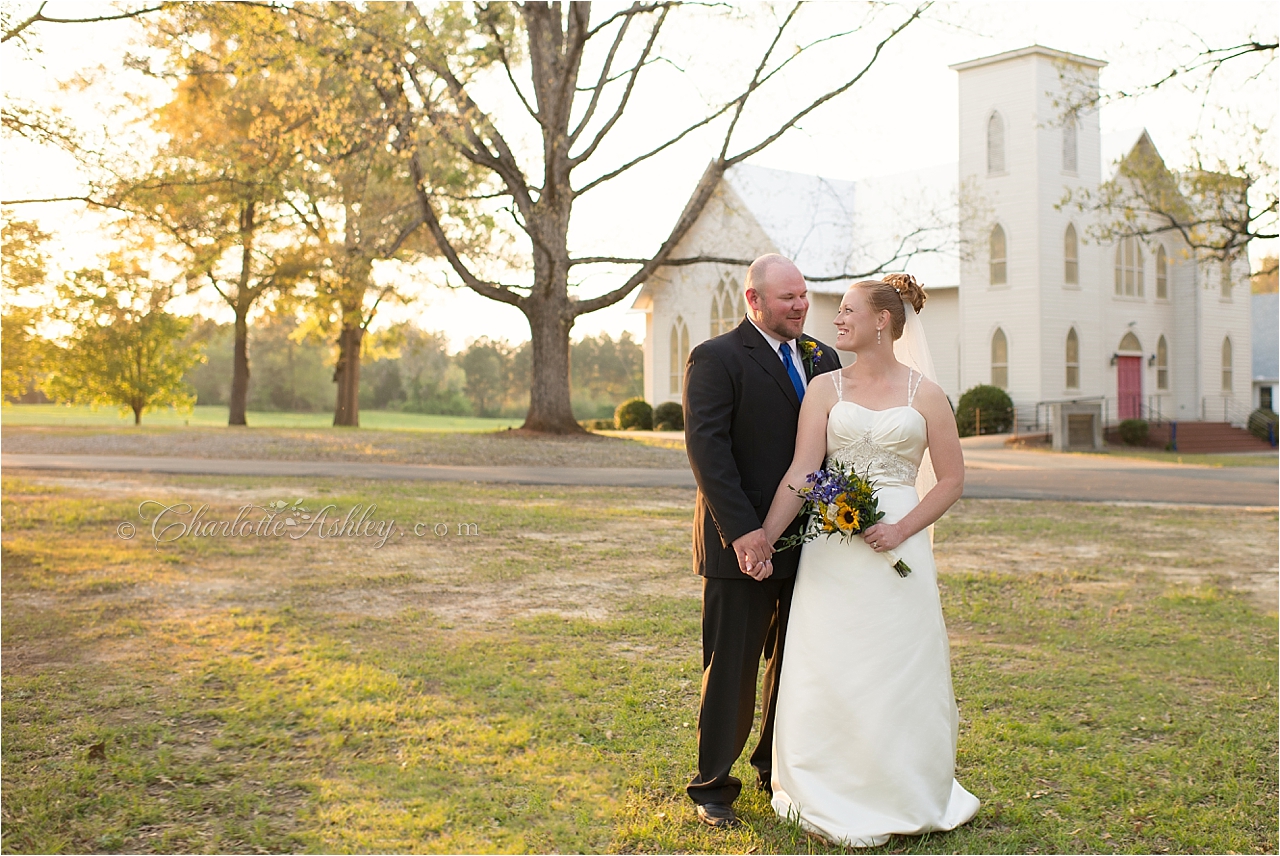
(877,335)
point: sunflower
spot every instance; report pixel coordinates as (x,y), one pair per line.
(847,518)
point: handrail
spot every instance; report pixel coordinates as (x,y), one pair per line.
(1230,409)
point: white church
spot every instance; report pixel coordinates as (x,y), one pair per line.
(1030,305)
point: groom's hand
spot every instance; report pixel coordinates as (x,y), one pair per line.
(753,551)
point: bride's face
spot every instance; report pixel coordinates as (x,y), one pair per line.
(855,322)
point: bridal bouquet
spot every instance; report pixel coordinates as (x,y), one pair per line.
(838,500)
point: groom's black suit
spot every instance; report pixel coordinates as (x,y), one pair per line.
(740,413)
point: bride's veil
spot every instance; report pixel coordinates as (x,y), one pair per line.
(912,349)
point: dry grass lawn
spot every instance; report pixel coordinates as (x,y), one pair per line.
(532,687)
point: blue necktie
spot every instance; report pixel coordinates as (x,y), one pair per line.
(791,370)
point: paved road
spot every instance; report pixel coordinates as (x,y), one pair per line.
(636,477)
(992,472)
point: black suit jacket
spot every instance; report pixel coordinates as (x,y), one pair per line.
(740,414)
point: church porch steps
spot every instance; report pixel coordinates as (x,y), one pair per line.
(1198,437)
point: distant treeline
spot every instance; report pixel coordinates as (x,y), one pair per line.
(405,368)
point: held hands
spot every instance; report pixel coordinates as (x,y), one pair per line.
(883,536)
(754,551)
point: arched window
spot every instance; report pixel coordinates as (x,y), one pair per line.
(995,143)
(1129,342)
(725,313)
(1073,359)
(1226,364)
(999,360)
(1162,364)
(1071,255)
(679,354)
(1162,274)
(1129,268)
(999,267)
(1069,160)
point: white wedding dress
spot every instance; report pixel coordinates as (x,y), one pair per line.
(865,738)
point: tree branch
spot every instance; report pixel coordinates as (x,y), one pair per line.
(603,80)
(506,64)
(442,70)
(706,187)
(790,123)
(755,80)
(40,17)
(626,95)
(634,9)
(469,114)
(681,262)
(900,254)
(491,290)
(653,152)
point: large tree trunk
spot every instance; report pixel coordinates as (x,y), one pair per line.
(550,408)
(240,370)
(346,374)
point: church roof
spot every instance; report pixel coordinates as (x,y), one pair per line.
(807,217)
(1030,50)
(1117,145)
(835,228)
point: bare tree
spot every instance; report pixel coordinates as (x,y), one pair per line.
(1225,196)
(540,51)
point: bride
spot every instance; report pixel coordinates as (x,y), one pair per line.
(865,736)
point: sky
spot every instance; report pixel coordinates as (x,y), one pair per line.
(901,116)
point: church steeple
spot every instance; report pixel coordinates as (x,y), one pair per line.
(1021,150)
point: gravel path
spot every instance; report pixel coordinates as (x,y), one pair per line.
(496,449)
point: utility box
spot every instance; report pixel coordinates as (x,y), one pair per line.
(1077,426)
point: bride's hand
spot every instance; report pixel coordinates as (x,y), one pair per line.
(883,536)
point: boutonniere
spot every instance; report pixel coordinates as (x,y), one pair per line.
(810,353)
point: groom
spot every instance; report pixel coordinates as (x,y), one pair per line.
(742,395)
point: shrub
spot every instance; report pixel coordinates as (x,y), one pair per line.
(1133,432)
(634,414)
(597,424)
(668,413)
(996,409)
(1262,424)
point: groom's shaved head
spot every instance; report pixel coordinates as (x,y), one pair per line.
(758,272)
(777,296)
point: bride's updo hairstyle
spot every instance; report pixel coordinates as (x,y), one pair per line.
(890,293)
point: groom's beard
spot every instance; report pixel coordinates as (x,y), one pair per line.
(781,326)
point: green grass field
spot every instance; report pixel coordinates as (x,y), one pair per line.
(209,416)
(534,687)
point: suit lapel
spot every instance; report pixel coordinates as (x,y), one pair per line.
(760,351)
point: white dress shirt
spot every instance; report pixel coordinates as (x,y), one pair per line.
(775,343)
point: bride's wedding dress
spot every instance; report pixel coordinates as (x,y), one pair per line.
(865,737)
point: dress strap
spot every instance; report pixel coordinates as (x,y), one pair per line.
(836,379)
(912,387)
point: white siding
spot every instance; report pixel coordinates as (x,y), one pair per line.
(1035,308)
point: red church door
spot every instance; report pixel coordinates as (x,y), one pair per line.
(1129,386)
